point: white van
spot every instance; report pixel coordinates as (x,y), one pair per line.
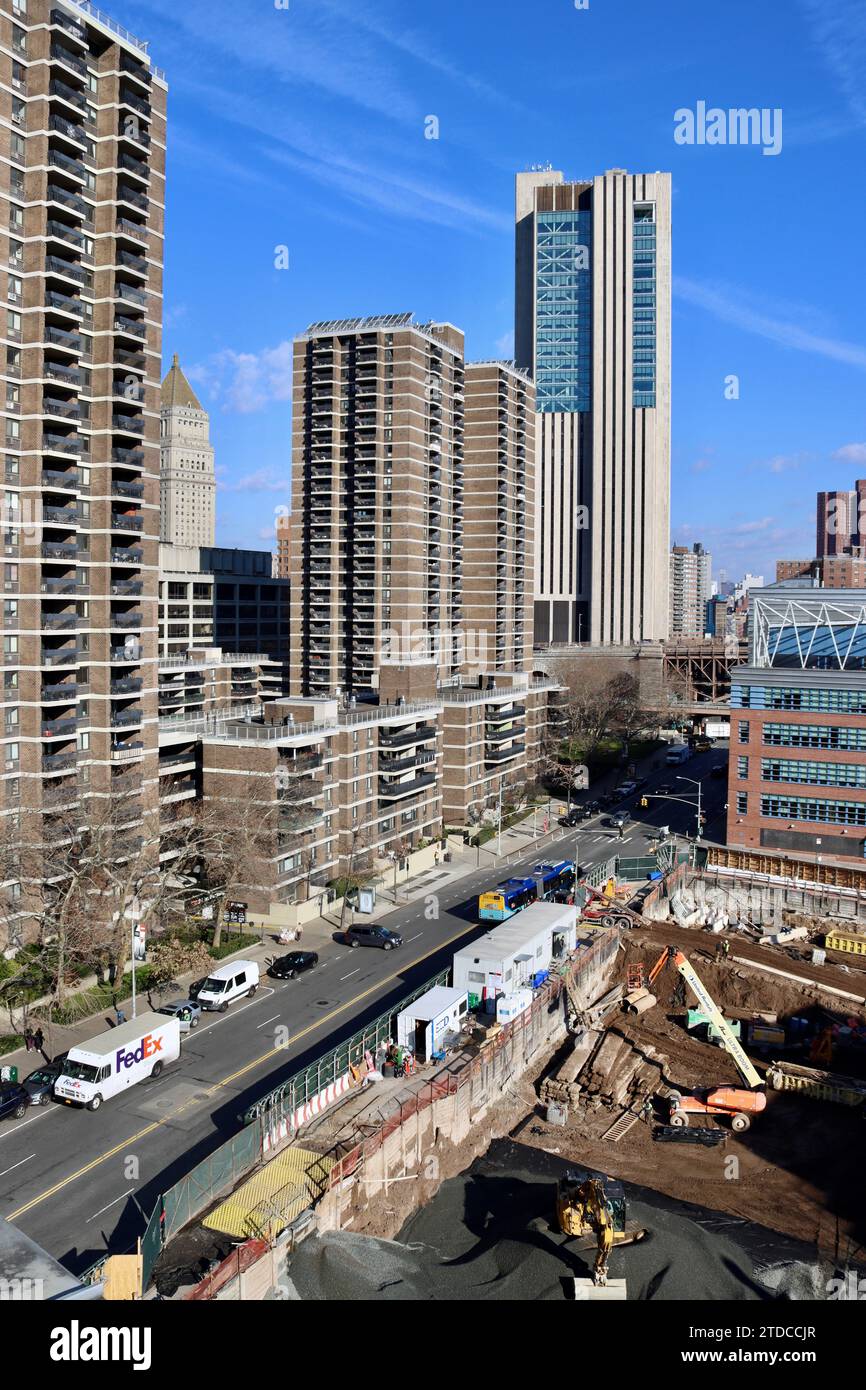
(680,753)
(115,1060)
(228,983)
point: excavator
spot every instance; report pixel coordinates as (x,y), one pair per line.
(738,1103)
(591,1207)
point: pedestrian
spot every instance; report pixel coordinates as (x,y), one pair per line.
(39,1040)
(120,1017)
(28,1039)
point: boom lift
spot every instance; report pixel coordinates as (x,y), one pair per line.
(739,1103)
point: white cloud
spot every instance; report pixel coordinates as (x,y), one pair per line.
(851,453)
(262,480)
(246,382)
(730,305)
(839,33)
(505,345)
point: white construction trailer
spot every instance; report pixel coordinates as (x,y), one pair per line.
(517,954)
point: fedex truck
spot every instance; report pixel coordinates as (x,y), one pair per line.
(118,1059)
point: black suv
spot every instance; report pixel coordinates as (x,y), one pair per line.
(14,1100)
(291,966)
(382,937)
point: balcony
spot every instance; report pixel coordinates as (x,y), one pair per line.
(127,588)
(132,458)
(396,791)
(502,755)
(67,691)
(126,718)
(58,762)
(125,489)
(67,517)
(55,728)
(406,737)
(125,622)
(126,751)
(61,443)
(57,550)
(59,656)
(130,327)
(60,89)
(387,766)
(127,557)
(127,521)
(59,622)
(131,424)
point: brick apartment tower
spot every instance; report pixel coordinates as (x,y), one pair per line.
(500,517)
(377,502)
(83,129)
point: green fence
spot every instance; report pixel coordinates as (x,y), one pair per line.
(151,1244)
(215,1174)
(304,1085)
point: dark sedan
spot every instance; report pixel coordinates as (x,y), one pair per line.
(14,1100)
(39,1085)
(294,964)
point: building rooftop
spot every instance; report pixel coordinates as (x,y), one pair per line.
(176,390)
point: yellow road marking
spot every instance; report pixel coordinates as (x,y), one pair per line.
(226,1081)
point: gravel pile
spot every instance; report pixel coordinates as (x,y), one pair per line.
(490,1234)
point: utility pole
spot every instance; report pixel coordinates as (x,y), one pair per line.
(696,782)
(499,837)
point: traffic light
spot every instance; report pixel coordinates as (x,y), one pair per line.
(644,801)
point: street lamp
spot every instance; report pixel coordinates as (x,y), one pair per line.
(696,782)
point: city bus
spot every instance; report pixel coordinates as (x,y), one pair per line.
(512,895)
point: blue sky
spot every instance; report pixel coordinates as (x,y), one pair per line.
(305,127)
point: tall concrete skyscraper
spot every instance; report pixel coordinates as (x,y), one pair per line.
(83,144)
(592,326)
(187,488)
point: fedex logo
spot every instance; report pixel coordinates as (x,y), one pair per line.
(146,1048)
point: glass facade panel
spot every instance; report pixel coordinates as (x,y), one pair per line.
(813,736)
(563,311)
(815,773)
(805,808)
(777,697)
(644,307)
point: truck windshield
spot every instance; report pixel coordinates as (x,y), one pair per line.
(213,986)
(80,1071)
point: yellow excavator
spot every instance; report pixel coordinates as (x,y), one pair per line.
(587,1207)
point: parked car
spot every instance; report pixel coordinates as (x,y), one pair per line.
(238,980)
(14,1100)
(289,967)
(617,819)
(626,788)
(186,1011)
(572,817)
(719,770)
(39,1085)
(382,937)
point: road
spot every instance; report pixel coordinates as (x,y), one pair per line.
(82,1183)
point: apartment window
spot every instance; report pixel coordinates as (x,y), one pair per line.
(11,716)
(13,754)
(742,769)
(18,111)
(18,76)
(743,730)
(16,148)
(13,325)
(19,39)
(742,803)
(19,6)
(13,290)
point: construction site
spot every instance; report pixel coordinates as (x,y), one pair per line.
(688,1086)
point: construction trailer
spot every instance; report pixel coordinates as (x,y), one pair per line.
(518,954)
(428,1025)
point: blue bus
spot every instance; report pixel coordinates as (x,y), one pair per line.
(512,895)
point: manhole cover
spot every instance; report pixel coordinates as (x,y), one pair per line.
(323,1003)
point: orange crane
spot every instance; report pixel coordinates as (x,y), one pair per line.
(740,1103)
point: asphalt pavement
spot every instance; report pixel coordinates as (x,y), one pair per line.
(82,1183)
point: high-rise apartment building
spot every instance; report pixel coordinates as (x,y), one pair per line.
(377,501)
(592,327)
(690,585)
(187,485)
(81,220)
(499,515)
